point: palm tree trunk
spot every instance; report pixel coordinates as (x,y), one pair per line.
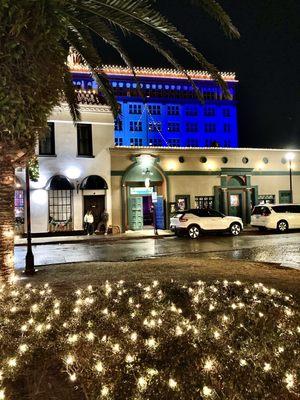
(7,218)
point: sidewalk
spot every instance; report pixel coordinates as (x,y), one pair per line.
(129,235)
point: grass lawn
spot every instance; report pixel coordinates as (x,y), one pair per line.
(183,269)
(159,329)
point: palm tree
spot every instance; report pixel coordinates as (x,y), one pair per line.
(35,38)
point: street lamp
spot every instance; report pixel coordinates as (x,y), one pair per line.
(289,157)
(29,259)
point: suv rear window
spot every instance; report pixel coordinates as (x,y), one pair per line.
(261,211)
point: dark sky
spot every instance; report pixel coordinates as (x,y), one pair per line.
(266,60)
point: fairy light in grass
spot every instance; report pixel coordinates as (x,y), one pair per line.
(133,336)
(2,394)
(142,383)
(129,358)
(23,348)
(72,338)
(267,367)
(243,362)
(172,383)
(90,336)
(207,392)
(12,362)
(73,377)
(69,359)
(104,391)
(289,379)
(99,367)
(151,343)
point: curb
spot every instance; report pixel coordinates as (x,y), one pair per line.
(96,240)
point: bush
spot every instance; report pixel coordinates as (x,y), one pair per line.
(119,341)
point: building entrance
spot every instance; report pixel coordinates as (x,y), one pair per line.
(96,204)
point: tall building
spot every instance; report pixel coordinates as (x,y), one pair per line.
(169,113)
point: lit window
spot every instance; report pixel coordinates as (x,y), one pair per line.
(173,127)
(209,127)
(135,126)
(209,112)
(192,127)
(60,210)
(173,110)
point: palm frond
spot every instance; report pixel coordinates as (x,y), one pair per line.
(71,95)
(82,44)
(214,8)
(127,13)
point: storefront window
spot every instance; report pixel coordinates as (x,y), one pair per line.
(204,201)
(60,210)
(266,199)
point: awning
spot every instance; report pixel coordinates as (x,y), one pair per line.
(59,182)
(93,182)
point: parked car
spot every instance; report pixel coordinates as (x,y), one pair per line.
(193,222)
(281,217)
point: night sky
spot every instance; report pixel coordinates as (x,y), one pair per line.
(266,60)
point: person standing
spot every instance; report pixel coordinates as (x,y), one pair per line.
(103,222)
(89,222)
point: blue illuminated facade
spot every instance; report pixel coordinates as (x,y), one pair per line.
(170,113)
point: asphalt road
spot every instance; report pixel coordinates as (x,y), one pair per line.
(281,249)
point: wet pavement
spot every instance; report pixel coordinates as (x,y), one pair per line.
(275,248)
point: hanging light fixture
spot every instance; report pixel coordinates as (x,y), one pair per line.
(147,173)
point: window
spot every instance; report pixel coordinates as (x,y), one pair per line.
(226,112)
(118,124)
(174,142)
(136,142)
(154,126)
(135,108)
(118,141)
(47,141)
(266,199)
(209,95)
(135,126)
(173,110)
(154,109)
(261,211)
(287,209)
(192,127)
(155,142)
(173,127)
(19,205)
(60,209)
(209,127)
(191,112)
(84,140)
(209,112)
(227,128)
(192,142)
(204,201)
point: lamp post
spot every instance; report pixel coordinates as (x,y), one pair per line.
(29,259)
(290,157)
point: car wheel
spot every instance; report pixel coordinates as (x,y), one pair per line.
(235,229)
(194,232)
(282,226)
(262,228)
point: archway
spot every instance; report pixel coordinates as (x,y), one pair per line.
(144,195)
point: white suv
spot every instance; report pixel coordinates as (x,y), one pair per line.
(194,221)
(276,216)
